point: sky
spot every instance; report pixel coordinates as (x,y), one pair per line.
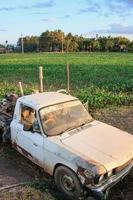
(86,17)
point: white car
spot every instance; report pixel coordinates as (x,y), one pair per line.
(56,132)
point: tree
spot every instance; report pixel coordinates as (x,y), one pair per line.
(71,43)
(51,40)
(96,45)
(121,43)
(131,46)
(2,46)
(30,43)
(103,43)
(110,44)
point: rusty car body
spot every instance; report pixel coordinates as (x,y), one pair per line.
(63,139)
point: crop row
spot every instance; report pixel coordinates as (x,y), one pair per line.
(100,79)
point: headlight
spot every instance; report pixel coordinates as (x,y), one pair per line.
(101,178)
(104,176)
(110,173)
(100,169)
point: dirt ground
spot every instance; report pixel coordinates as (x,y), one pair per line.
(14,168)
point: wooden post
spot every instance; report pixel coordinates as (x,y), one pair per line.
(21,89)
(41,78)
(62,44)
(68,77)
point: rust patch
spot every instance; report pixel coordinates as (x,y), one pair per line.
(83,178)
(88,170)
(27,155)
(14,145)
(24,152)
(91,165)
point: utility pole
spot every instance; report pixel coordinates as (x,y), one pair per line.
(6,43)
(68,45)
(38,45)
(62,42)
(22,44)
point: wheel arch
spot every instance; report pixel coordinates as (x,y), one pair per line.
(72,168)
(77,182)
(56,166)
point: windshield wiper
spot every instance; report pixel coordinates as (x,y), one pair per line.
(75,127)
(88,121)
(69,129)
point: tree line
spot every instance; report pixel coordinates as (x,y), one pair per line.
(58,41)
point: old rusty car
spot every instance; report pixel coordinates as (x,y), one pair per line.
(56,132)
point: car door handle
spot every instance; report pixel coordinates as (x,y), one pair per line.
(35,144)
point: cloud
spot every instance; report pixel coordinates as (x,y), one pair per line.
(7,8)
(121,8)
(116,29)
(65,17)
(94,8)
(121,3)
(39,13)
(3,30)
(55,19)
(47,4)
(50,20)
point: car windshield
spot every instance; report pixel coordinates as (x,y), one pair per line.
(59,118)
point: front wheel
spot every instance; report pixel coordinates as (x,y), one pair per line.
(68,183)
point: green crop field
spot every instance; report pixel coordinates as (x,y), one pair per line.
(101,78)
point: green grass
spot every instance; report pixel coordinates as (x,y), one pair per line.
(101,78)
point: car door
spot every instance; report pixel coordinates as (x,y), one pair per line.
(29,142)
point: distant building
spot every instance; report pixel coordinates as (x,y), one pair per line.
(2,50)
(10,49)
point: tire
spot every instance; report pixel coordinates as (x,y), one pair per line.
(68,183)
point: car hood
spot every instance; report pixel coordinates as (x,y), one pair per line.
(101,143)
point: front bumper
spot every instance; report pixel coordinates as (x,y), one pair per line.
(100,192)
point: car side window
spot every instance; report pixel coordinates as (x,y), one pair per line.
(27,118)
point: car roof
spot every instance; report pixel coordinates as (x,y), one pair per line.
(45,99)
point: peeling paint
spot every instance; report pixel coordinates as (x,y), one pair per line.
(23,151)
(85,180)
